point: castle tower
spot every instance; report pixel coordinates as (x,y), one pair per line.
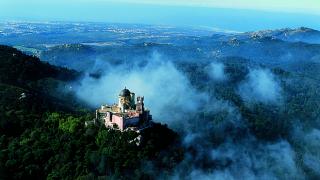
(125,100)
(133,100)
(140,104)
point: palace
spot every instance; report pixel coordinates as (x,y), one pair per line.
(128,113)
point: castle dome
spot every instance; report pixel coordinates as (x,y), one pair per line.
(125,92)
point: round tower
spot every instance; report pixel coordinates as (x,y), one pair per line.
(125,100)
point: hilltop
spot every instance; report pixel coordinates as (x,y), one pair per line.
(42,132)
(301,34)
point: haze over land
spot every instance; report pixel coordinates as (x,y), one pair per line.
(231,15)
(232,86)
(240,102)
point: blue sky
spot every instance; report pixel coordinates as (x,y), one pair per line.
(237,15)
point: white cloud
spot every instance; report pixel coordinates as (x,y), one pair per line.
(167,91)
(261,86)
(216,71)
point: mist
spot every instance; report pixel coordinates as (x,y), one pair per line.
(217,138)
(216,71)
(260,86)
(167,91)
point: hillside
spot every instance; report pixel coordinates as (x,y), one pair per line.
(30,87)
(302,34)
(42,133)
(20,69)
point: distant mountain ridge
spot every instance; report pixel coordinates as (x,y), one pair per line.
(90,47)
(301,34)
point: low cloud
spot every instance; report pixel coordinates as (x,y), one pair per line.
(245,158)
(216,71)
(308,143)
(167,91)
(261,86)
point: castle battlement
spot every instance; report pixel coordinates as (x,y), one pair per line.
(128,113)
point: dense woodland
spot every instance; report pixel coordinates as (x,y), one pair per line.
(267,121)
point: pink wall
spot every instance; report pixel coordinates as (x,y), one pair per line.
(118,120)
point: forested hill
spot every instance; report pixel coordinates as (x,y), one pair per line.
(19,69)
(42,132)
(30,87)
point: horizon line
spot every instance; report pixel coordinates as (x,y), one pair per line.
(203,28)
